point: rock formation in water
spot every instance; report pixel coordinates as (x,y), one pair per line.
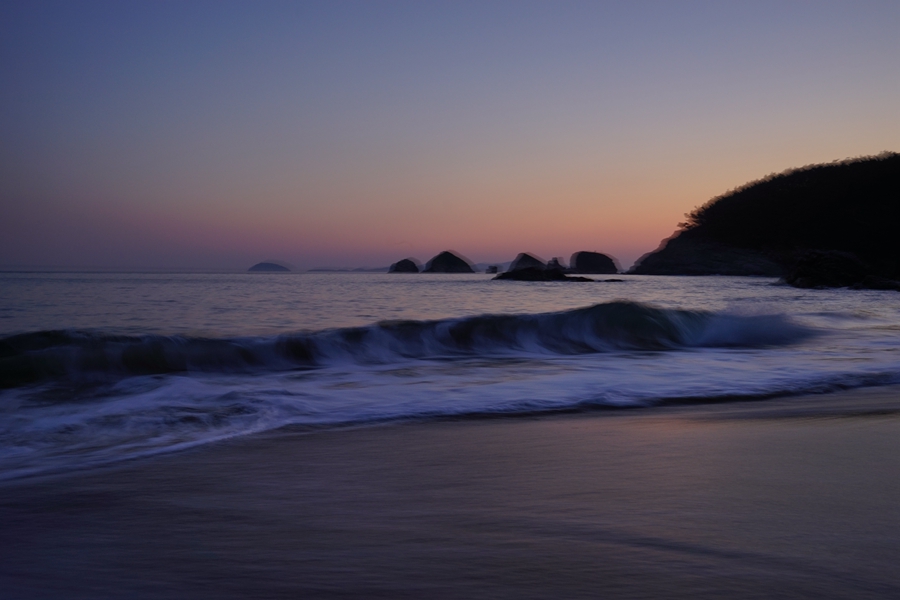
(448,262)
(592,263)
(826,269)
(407,265)
(526,260)
(538,274)
(767,227)
(268,267)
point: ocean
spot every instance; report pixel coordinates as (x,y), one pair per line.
(98,368)
(346,435)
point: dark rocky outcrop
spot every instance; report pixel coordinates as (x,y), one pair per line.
(448,262)
(526,260)
(537,274)
(829,269)
(684,254)
(268,267)
(767,226)
(592,263)
(407,265)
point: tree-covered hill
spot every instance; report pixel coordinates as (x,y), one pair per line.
(850,206)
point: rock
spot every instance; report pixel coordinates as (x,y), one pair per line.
(448,262)
(491,269)
(593,262)
(831,268)
(407,265)
(526,261)
(555,265)
(268,267)
(874,282)
(536,274)
(686,255)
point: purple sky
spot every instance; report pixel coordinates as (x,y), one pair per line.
(218,134)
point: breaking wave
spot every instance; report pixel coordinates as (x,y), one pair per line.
(615,326)
(75,399)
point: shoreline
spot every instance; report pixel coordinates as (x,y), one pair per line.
(747,499)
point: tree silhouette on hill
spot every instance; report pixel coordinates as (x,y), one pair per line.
(849,206)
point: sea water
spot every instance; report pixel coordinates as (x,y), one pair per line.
(102,367)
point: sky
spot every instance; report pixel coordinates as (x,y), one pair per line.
(214,135)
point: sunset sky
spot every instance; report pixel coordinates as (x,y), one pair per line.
(345,134)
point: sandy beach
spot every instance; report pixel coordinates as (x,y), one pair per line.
(796,497)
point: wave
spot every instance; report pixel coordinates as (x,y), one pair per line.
(615,326)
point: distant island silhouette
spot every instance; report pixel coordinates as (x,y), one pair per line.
(593,263)
(407,265)
(846,213)
(268,267)
(449,261)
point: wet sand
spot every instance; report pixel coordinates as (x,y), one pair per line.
(782,498)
